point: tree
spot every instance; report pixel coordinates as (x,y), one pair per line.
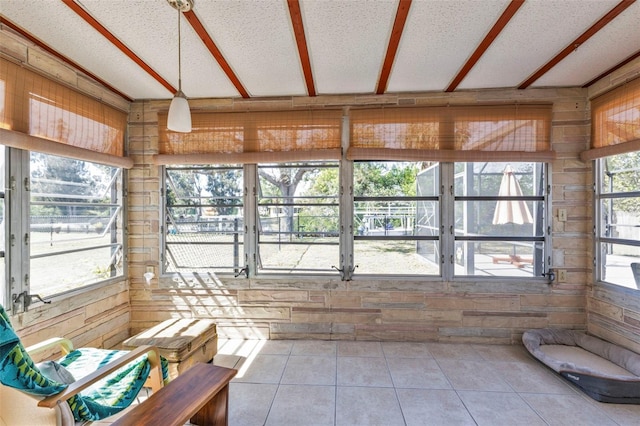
(381,179)
(371,179)
(225,188)
(622,174)
(284,183)
(184,190)
(61,180)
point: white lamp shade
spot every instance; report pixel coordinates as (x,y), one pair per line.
(179,119)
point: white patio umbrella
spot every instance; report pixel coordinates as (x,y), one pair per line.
(511,211)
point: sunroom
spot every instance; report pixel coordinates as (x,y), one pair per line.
(417,172)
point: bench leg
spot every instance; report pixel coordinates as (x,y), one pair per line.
(215,411)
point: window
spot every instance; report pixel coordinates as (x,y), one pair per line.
(299,217)
(401,218)
(396,218)
(75,220)
(204,219)
(500,219)
(3,227)
(392,191)
(618,215)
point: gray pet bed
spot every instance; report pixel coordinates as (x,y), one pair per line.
(604,371)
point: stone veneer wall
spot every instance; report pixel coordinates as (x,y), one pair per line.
(613,311)
(98,317)
(490,311)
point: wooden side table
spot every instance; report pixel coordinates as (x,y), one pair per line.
(199,395)
(183,342)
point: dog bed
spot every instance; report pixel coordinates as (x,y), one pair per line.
(604,371)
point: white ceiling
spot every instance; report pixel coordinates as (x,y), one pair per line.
(347,42)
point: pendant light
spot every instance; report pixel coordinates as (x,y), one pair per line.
(179,119)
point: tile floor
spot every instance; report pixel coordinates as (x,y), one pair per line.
(310,383)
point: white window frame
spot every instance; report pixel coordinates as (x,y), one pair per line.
(346,268)
(17,287)
(599,195)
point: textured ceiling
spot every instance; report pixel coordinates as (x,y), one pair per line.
(260,48)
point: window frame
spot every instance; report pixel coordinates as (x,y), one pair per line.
(599,237)
(545,239)
(165,228)
(302,272)
(17,259)
(345,269)
(426,238)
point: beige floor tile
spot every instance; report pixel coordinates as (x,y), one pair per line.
(362,349)
(473,375)
(228,361)
(310,370)
(249,403)
(513,353)
(531,378)
(433,407)
(303,405)
(238,347)
(448,351)
(568,410)
(262,369)
(276,347)
(315,347)
(417,373)
(360,371)
(623,414)
(367,406)
(405,350)
(387,383)
(499,408)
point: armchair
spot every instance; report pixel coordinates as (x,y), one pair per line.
(107,381)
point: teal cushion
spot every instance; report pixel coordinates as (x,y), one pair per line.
(103,399)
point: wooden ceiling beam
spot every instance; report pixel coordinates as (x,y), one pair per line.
(497,28)
(117,43)
(577,42)
(394,42)
(192,18)
(301,41)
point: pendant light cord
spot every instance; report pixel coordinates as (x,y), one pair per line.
(179,54)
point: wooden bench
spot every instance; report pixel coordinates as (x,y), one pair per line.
(199,395)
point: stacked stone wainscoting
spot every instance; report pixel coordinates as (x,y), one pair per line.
(98,318)
(486,311)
